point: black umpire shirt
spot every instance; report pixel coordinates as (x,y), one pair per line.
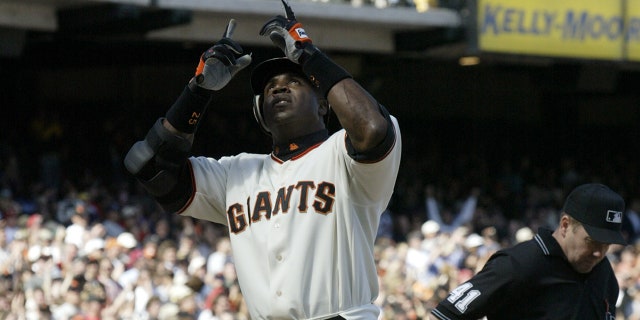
(533,280)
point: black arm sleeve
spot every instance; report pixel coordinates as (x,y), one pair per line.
(160,163)
(181,192)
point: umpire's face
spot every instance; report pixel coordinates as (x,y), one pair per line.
(291,107)
(582,252)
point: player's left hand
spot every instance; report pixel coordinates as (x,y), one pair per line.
(221,62)
(287,34)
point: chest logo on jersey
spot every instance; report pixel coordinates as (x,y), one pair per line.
(318,197)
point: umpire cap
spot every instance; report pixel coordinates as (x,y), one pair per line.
(599,209)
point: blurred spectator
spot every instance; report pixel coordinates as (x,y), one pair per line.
(5,254)
(385,228)
(220,309)
(9,213)
(447,215)
(112,223)
(169,311)
(152,309)
(36,306)
(70,306)
(77,233)
(105,276)
(220,257)
(490,241)
(523,234)
(144,288)
(417,260)
(93,294)
(631,222)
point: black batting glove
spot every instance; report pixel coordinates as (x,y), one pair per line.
(288,35)
(220,63)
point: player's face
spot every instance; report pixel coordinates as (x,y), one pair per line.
(291,105)
(583,252)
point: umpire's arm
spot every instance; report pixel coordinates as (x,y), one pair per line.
(486,292)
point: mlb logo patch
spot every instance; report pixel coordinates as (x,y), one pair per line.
(614,216)
(301,33)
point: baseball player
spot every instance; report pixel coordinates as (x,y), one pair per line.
(302,219)
(560,274)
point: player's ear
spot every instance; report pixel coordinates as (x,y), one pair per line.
(565,223)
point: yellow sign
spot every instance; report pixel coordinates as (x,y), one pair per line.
(570,28)
(633,27)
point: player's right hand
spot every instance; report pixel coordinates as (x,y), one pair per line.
(221,62)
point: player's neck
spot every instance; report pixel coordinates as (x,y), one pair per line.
(288,149)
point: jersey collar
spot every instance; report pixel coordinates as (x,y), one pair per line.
(547,243)
(297,146)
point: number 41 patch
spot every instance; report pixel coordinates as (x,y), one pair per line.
(462,296)
(608,315)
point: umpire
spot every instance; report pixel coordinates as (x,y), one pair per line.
(559,274)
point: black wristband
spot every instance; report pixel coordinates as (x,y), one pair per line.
(322,71)
(186,112)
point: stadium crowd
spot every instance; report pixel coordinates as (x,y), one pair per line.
(77,245)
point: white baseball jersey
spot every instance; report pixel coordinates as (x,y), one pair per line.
(302,231)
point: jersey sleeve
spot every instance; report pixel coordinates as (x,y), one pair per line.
(481,295)
(208,198)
